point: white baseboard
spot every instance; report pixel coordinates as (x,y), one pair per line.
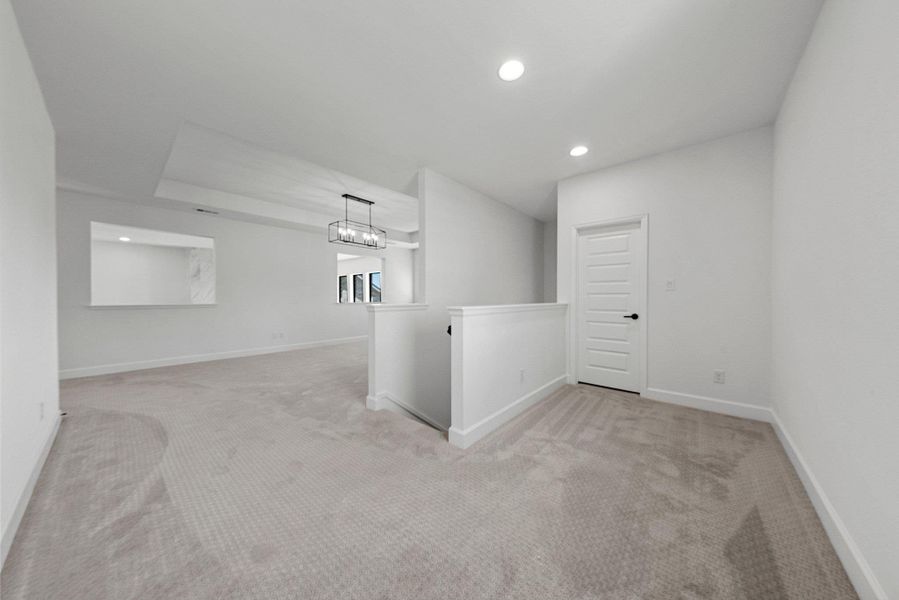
(22,503)
(715,405)
(195,358)
(383,400)
(463,438)
(860,573)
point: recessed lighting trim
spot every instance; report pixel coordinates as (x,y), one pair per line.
(579,151)
(511,70)
(124,239)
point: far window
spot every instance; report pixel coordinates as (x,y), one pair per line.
(358,288)
(359,279)
(374,287)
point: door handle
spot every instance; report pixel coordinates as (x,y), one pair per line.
(633,316)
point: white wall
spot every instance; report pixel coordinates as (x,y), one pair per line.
(397,335)
(29,391)
(477,250)
(363,264)
(128,273)
(474,250)
(550,257)
(504,360)
(836,277)
(709,210)
(270,281)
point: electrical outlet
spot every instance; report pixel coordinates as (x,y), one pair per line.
(521,376)
(718,376)
(670,285)
(42,411)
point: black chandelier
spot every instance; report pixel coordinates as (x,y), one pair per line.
(357,233)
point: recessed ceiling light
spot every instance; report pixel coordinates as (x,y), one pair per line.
(124,239)
(511,70)
(579,151)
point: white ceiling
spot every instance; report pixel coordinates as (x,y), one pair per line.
(379,88)
(209,169)
(110,232)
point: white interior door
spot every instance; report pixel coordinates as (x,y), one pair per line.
(610,297)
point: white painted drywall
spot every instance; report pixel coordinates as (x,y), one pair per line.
(477,250)
(394,357)
(550,256)
(836,273)
(363,264)
(129,273)
(270,281)
(504,360)
(29,391)
(474,250)
(709,210)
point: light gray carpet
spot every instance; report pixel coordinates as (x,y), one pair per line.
(266,478)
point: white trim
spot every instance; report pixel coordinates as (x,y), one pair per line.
(370,357)
(19,510)
(457,373)
(195,358)
(576,231)
(860,573)
(381,400)
(463,438)
(468,311)
(401,244)
(715,405)
(384,307)
(146,306)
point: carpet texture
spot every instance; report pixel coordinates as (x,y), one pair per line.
(266,478)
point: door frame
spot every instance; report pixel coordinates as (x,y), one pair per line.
(577,231)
